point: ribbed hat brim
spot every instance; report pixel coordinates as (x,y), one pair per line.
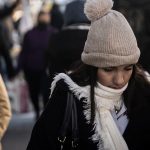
(109,60)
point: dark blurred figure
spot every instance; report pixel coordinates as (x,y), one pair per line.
(137,13)
(57,19)
(5,42)
(33,60)
(5,46)
(67,45)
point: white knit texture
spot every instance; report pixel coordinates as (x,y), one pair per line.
(110,41)
(95,9)
(106,99)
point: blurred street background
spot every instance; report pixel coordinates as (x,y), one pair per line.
(29,25)
(16,20)
(18,132)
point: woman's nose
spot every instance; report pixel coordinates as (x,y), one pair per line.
(119,79)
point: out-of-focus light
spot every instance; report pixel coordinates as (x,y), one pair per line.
(35,6)
(47,6)
(62,1)
(17,15)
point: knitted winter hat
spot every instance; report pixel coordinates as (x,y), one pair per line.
(110,41)
(74,13)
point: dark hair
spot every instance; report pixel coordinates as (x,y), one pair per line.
(84,75)
(138,81)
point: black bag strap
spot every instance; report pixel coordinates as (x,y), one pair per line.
(70,113)
(75,130)
(66,120)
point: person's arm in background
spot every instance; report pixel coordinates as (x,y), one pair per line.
(7,10)
(5,108)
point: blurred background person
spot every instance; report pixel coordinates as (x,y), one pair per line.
(6,63)
(5,109)
(66,46)
(57,19)
(32,59)
(6,10)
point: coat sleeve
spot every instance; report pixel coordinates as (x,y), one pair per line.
(45,132)
(5,109)
(22,59)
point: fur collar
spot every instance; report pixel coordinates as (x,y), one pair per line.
(81,92)
(78,91)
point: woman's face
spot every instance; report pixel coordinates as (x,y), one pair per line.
(115,77)
(44,18)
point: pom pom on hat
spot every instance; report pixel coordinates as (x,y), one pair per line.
(95,9)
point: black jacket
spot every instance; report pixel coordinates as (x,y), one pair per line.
(65,48)
(46,130)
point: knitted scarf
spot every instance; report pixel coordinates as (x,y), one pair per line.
(107,100)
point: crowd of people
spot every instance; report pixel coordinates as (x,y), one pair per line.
(97,51)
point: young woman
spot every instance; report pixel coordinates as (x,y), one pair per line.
(110,91)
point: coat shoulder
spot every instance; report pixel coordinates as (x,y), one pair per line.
(65,83)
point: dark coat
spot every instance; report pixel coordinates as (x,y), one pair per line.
(65,48)
(46,130)
(35,44)
(5,46)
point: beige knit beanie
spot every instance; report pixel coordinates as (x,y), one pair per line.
(110,41)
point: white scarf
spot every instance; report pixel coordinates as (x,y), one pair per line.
(106,100)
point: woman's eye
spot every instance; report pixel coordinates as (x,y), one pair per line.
(129,68)
(108,69)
